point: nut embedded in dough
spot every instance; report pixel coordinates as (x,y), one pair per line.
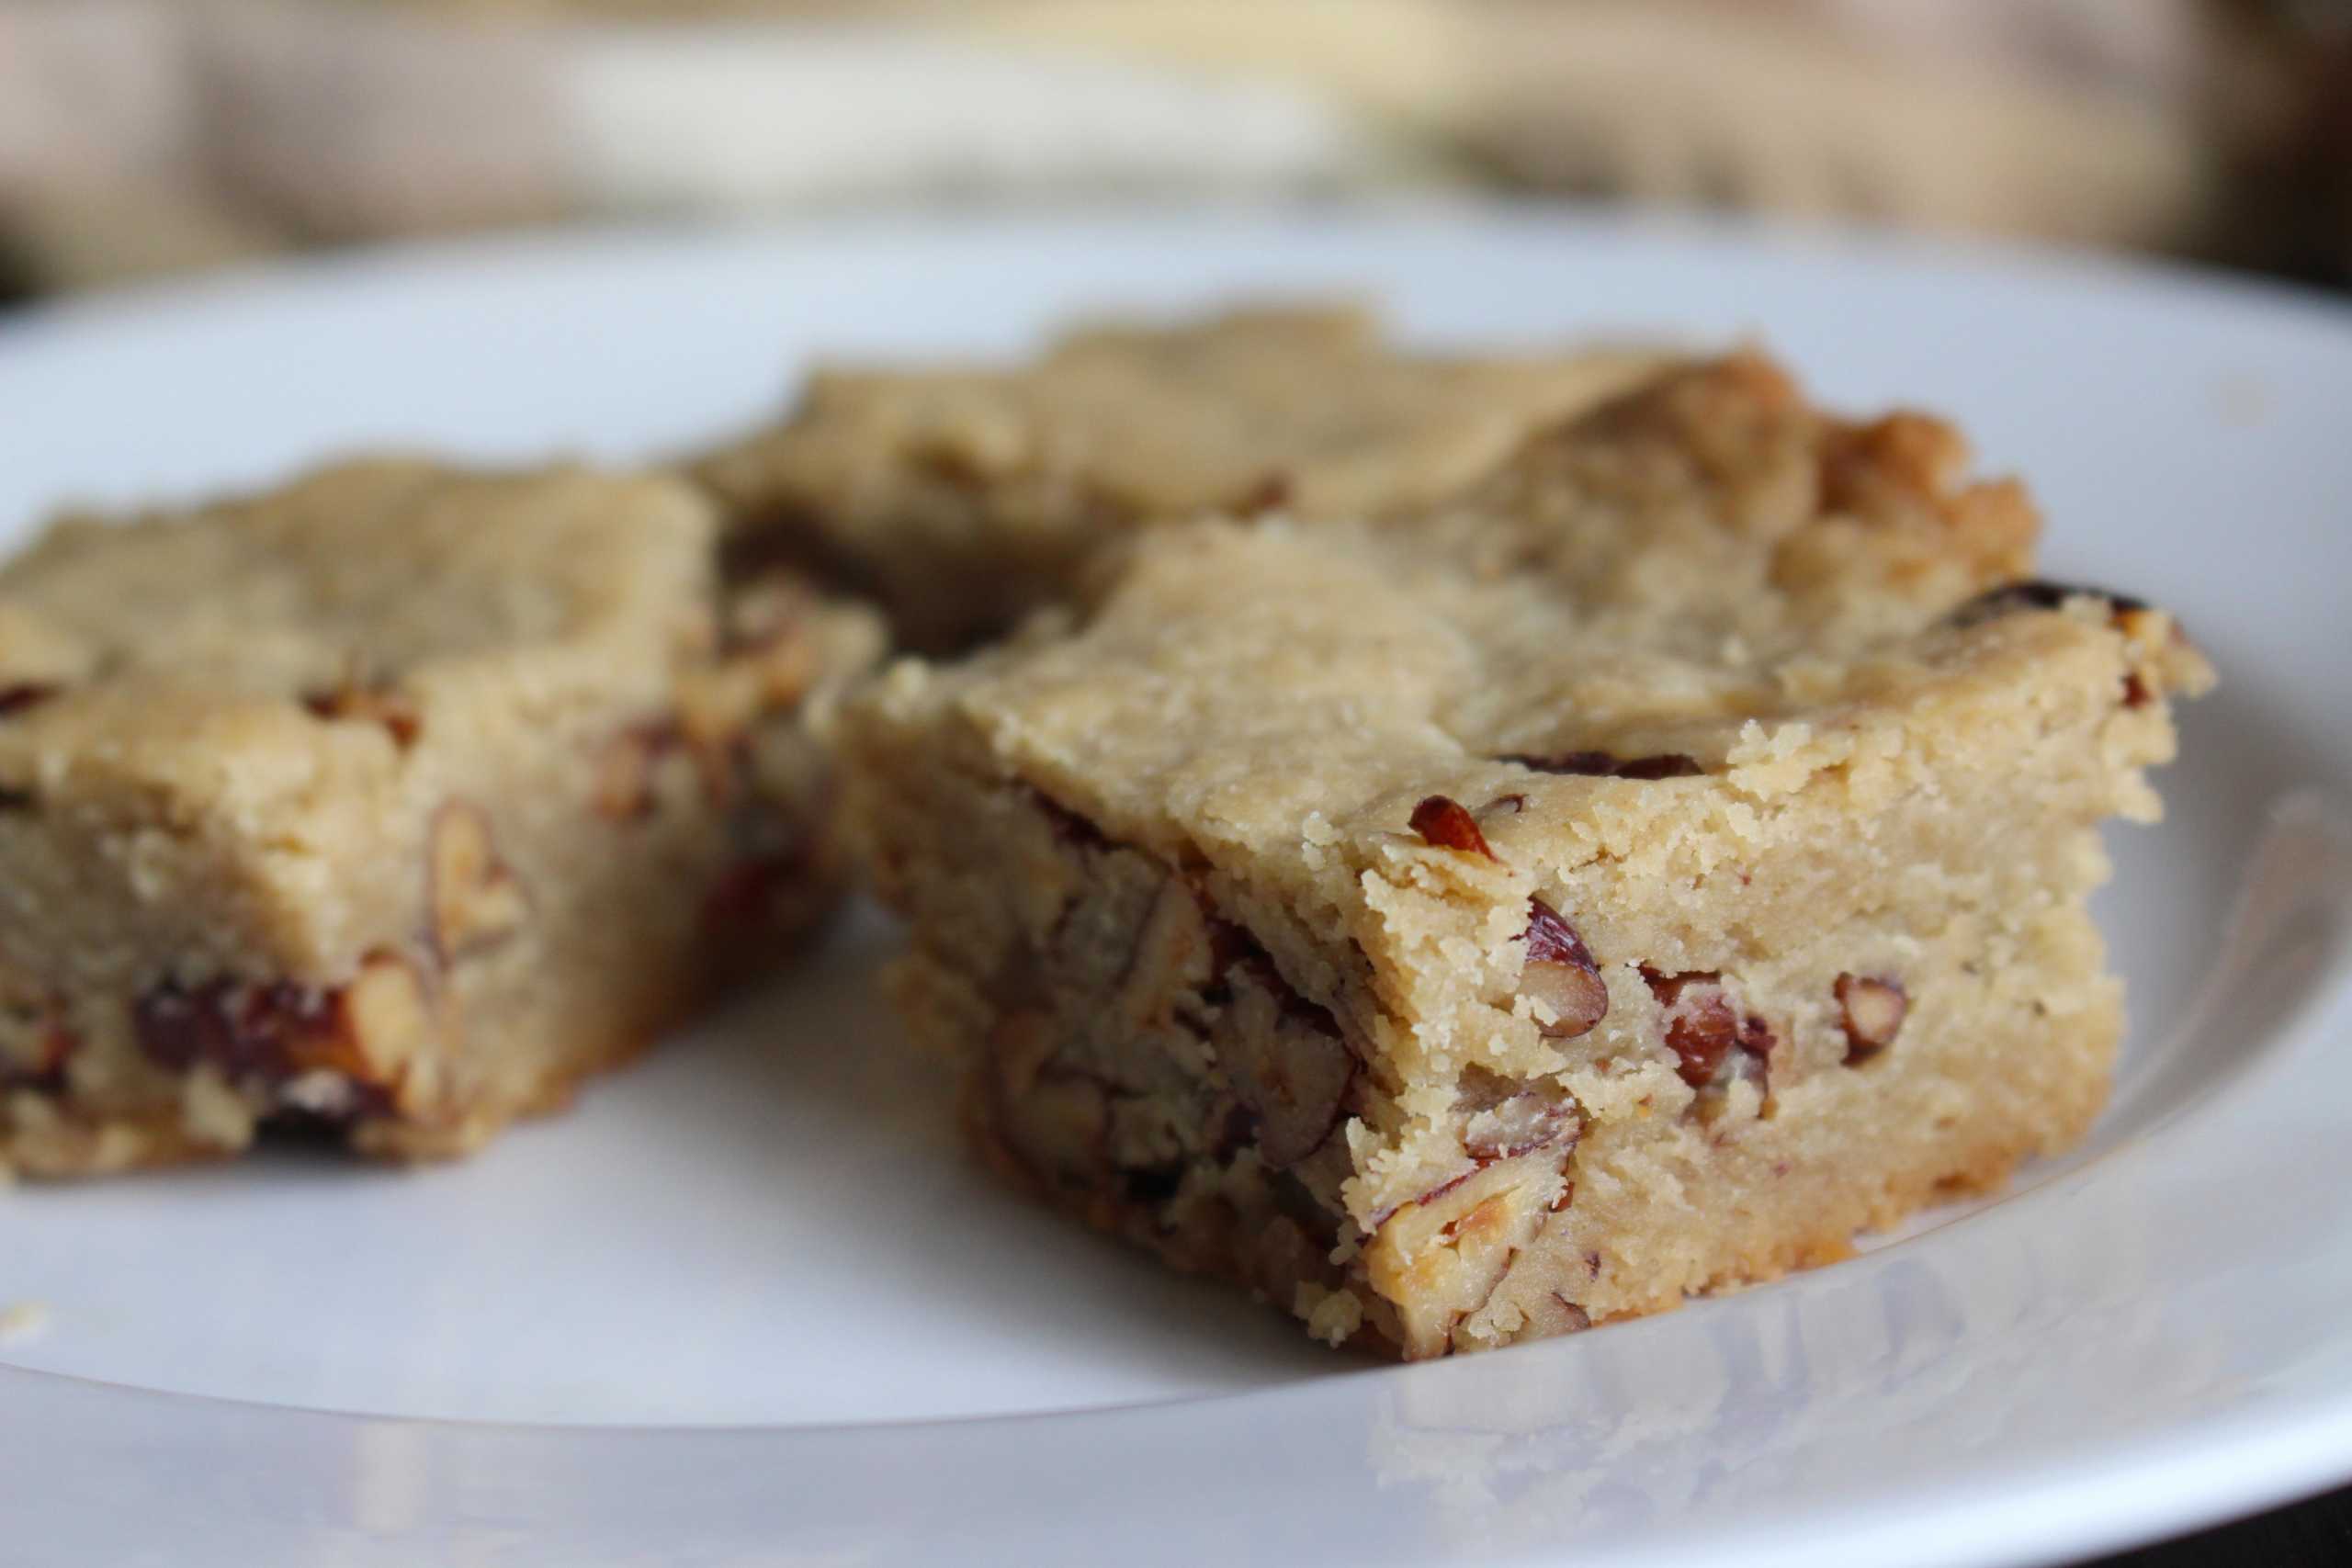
(477,900)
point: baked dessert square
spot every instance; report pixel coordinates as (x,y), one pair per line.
(1635,878)
(389,803)
(963,497)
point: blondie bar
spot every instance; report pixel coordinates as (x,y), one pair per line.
(962,498)
(1634,878)
(389,803)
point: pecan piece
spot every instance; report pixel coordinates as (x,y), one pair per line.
(2035,594)
(17,696)
(1290,1066)
(245,1030)
(1553,1314)
(1054,1118)
(1703,1027)
(1870,1009)
(622,787)
(1272,493)
(34,1050)
(1505,1119)
(742,899)
(475,899)
(1445,822)
(1559,973)
(1601,764)
(356,701)
(371,1038)
(384,1024)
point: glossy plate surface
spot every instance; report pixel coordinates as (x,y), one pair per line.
(747,1305)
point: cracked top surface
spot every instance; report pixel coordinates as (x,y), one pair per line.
(1304,408)
(1688,572)
(1707,576)
(375,565)
(139,647)
(962,498)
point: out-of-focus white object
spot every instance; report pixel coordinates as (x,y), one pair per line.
(136,132)
(235,124)
(739,116)
(2073,120)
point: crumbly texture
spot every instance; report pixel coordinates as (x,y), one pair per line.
(964,498)
(388,804)
(1632,879)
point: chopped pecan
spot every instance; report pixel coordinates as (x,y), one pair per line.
(1504,1119)
(1559,972)
(474,897)
(371,1033)
(1703,1027)
(1870,1009)
(17,696)
(2035,594)
(1446,823)
(1601,764)
(1289,1064)
(371,704)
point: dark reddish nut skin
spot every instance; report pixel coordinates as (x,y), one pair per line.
(2035,594)
(1570,1319)
(1506,1118)
(1871,1010)
(47,1076)
(742,900)
(271,1031)
(1445,822)
(1559,963)
(1602,765)
(245,1030)
(17,696)
(1441,1188)
(1665,765)
(1269,494)
(389,709)
(1554,1126)
(1702,1027)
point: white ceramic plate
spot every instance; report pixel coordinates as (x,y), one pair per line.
(746,1305)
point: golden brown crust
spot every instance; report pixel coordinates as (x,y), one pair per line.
(1717,712)
(964,497)
(307,804)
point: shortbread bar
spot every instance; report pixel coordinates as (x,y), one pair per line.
(388,804)
(962,498)
(1633,880)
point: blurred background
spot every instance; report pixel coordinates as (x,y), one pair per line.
(146,138)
